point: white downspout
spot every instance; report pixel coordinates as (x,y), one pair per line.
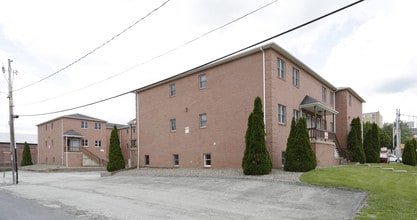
(62,140)
(264,83)
(137,126)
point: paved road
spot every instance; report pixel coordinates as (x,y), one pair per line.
(157,197)
(16,208)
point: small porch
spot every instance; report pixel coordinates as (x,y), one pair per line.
(321,125)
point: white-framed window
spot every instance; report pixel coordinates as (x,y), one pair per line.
(146,160)
(282,115)
(97,126)
(281,69)
(308,118)
(207,160)
(172,90)
(84,124)
(203,120)
(202,81)
(331,96)
(173,124)
(318,123)
(84,143)
(97,143)
(296,115)
(323,93)
(176,160)
(295,77)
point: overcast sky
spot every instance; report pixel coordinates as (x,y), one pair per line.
(370,47)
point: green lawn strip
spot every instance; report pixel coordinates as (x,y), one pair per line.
(391,195)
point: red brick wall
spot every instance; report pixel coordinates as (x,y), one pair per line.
(227,101)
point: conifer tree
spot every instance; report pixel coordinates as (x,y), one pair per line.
(409,155)
(26,157)
(256,160)
(116,160)
(299,156)
(371,145)
(355,142)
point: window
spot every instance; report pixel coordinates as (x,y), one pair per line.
(281,69)
(203,120)
(84,124)
(295,77)
(331,96)
(319,123)
(207,160)
(323,93)
(281,114)
(202,81)
(97,126)
(52,125)
(172,90)
(127,131)
(46,127)
(85,143)
(176,160)
(173,124)
(350,100)
(296,115)
(98,143)
(146,160)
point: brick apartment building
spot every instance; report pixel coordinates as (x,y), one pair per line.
(78,140)
(198,118)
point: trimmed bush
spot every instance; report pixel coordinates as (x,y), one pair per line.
(26,157)
(116,160)
(299,156)
(355,142)
(256,159)
(371,145)
(409,155)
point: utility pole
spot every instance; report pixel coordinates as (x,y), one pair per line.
(398,129)
(11,125)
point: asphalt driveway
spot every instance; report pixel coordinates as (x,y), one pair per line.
(89,196)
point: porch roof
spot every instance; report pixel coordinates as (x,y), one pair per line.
(313,105)
(72,133)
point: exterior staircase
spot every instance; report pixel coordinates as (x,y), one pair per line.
(96,161)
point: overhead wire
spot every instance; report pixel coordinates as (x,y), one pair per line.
(213,61)
(95,49)
(158,56)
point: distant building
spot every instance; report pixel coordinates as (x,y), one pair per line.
(373,117)
(20,139)
(78,140)
(198,118)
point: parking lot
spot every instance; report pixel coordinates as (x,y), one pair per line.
(144,195)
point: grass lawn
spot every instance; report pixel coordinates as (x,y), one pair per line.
(391,195)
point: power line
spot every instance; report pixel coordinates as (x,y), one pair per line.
(95,49)
(159,56)
(215,60)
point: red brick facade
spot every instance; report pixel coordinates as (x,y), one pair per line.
(76,141)
(170,112)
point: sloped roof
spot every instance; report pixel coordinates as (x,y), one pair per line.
(352,92)
(75,116)
(83,117)
(118,126)
(311,104)
(248,52)
(72,133)
(19,138)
